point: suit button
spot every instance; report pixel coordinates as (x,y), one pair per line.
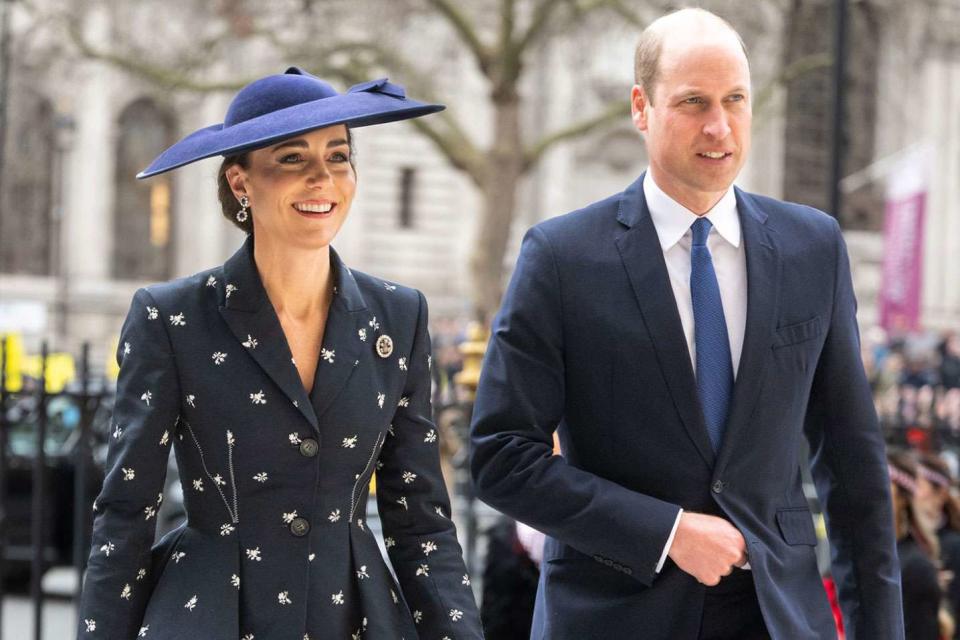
(299,527)
(309,447)
(718,486)
(608,562)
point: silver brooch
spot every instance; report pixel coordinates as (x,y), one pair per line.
(384,346)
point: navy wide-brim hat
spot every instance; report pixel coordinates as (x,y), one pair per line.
(280,106)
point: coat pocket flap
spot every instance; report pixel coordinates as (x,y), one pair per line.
(798,332)
(796,526)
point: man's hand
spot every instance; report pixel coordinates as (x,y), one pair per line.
(707,547)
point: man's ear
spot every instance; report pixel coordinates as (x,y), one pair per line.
(638,107)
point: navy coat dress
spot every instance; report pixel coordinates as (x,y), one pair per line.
(275,481)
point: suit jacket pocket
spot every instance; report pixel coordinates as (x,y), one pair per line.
(796,526)
(798,332)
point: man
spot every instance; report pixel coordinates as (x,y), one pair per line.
(682,337)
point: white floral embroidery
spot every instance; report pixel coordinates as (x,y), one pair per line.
(390,287)
(191,603)
(141,574)
(379,465)
(360,523)
(126,348)
(403,501)
(466,580)
(404,402)
(191,400)
(108,548)
(211,281)
(390,429)
(424,570)
(294,438)
(177,556)
(349,443)
(254,554)
(439,511)
(258,397)
(429,361)
(127,592)
(403,364)
(417,616)
(334,516)
(152,313)
(380,398)
(373,323)
(311,557)
(146,397)
(389,542)
(178,320)
(235,580)
(337,598)
(227,529)
(198,485)
(149,512)
(283,598)
(393,596)
(261,477)
(456,614)
(128,474)
(362,573)
(219,481)
(251,342)
(431,436)
(91,624)
(249,636)
(230,289)
(230,439)
(409,477)
(143,631)
(289,517)
(363,334)
(117,432)
(327,354)
(165,438)
(218,357)
(428,547)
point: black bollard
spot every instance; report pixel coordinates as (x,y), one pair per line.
(37,538)
(81,506)
(4,355)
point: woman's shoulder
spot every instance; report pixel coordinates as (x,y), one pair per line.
(387,294)
(202,287)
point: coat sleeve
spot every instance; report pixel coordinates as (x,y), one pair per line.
(118,583)
(520,402)
(849,468)
(414,508)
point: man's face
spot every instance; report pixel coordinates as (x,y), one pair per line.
(697,125)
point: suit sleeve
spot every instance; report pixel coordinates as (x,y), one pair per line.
(117,584)
(414,508)
(520,403)
(848,463)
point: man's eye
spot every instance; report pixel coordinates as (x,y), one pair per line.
(694,100)
(737,97)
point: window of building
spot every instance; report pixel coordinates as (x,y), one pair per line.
(143,218)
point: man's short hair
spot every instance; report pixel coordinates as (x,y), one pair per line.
(646,59)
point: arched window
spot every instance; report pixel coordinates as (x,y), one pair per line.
(26,200)
(142,217)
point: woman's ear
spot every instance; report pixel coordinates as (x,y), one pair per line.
(237,179)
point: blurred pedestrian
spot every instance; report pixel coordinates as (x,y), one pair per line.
(283,380)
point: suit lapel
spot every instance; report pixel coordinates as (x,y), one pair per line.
(342,344)
(642,257)
(251,317)
(763,276)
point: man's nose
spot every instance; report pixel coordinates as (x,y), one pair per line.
(717,125)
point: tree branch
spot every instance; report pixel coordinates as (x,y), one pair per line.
(539,20)
(614,112)
(788,74)
(467,32)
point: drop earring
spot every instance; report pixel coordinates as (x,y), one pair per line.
(242,215)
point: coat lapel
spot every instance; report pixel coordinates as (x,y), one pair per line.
(251,317)
(643,259)
(343,347)
(763,276)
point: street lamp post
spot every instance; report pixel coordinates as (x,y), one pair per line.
(838,143)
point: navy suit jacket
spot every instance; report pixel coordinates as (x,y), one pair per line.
(589,343)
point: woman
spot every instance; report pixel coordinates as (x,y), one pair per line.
(922,615)
(935,480)
(283,380)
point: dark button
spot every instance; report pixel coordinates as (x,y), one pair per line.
(618,566)
(628,571)
(718,486)
(299,527)
(309,447)
(598,558)
(608,562)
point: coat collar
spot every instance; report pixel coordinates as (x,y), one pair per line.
(248,312)
(643,259)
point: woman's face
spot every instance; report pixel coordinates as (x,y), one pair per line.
(300,189)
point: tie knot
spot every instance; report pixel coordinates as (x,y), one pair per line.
(701,229)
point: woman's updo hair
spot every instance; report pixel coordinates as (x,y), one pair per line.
(229,205)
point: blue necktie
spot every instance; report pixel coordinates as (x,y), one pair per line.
(714,366)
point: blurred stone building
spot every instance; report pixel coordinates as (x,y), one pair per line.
(78,234)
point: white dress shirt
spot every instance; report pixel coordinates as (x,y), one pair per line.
(672,222)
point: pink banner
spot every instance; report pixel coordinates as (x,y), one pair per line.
(902,283)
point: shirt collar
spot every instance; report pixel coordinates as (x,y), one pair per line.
(672,220)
